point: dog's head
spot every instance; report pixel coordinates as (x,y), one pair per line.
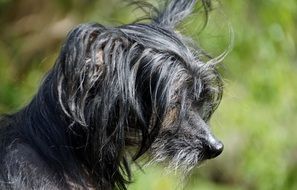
(139,85)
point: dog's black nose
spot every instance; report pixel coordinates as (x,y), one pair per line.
(215,150)
(213,147)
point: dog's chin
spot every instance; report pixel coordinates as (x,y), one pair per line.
(183,160)
(172,165)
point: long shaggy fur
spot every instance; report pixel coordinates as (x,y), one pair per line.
(114,94)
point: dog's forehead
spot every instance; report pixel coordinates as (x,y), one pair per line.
(149,36)
(164,42)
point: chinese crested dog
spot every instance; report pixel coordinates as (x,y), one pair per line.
(115,94)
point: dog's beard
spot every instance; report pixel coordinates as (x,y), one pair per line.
(180,152)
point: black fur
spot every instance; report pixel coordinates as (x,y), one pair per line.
(114,94)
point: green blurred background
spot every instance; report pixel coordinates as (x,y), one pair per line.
(257,119)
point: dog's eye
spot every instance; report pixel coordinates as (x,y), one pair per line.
(201,107)
(197,104)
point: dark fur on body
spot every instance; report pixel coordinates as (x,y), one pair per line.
(114,91)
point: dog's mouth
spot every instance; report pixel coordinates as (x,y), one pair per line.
(177,154)
(184,153)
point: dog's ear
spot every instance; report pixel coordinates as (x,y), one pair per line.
(177,10)
(80,66)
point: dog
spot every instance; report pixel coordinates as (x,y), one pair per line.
(114,95)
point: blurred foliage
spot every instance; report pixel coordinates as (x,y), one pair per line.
(257,117)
